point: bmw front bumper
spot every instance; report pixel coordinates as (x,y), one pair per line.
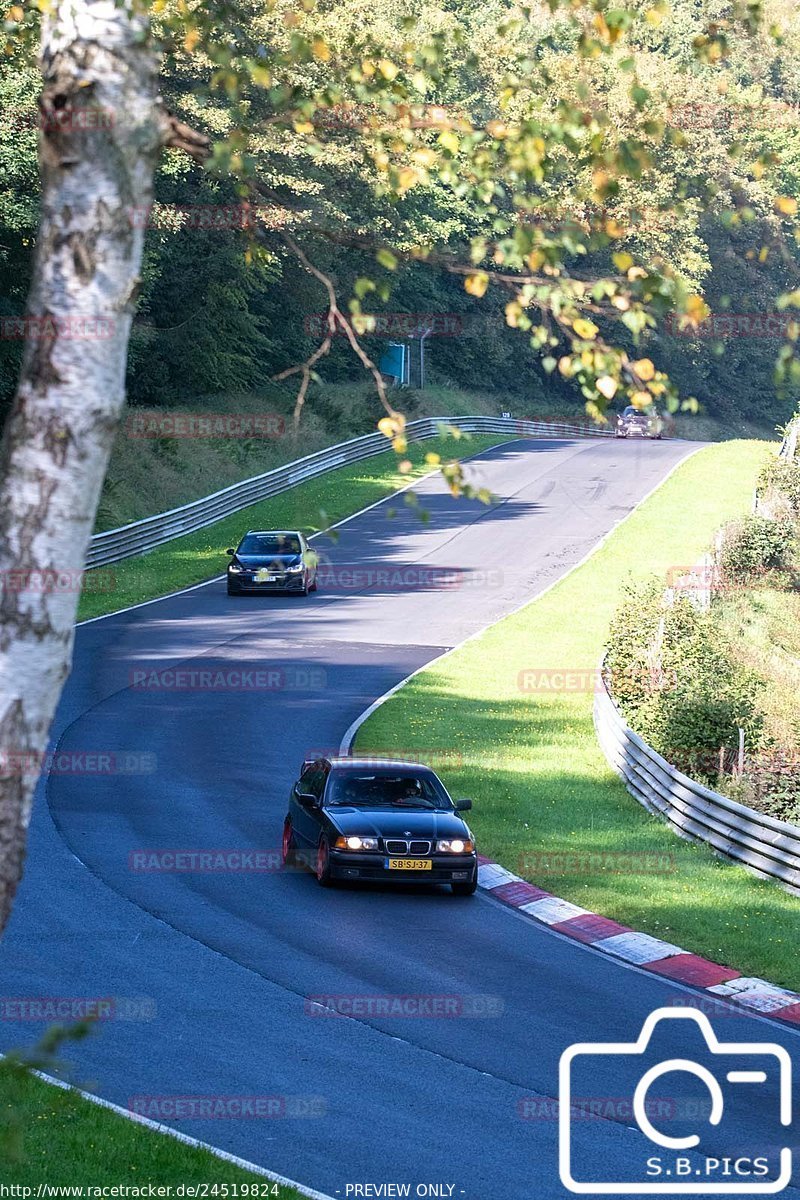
(444,868)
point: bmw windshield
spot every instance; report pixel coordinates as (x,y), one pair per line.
(389,789)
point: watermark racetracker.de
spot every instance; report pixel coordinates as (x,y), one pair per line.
(573,863)
(144,424)
(403,577)
(77,1008)
(227,1107)
(23,763)
(49,580)
(407,1007)
(288,678)
(49,328)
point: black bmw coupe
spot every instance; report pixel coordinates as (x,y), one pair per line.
(379,820)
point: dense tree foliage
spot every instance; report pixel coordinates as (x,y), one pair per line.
(518,138)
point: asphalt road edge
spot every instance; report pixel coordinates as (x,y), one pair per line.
(156,1127)
(349,735)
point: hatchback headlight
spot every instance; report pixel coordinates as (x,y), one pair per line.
(455,846)
(235,568)
(294,570)
(354,842)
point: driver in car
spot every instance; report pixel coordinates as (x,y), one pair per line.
(409,791)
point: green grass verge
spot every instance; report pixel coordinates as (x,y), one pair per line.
(541,786)
(309,506)
(49,1135)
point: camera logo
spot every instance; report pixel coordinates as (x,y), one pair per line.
(739,1079)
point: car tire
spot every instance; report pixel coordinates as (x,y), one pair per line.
(465,889)
(288,845)
(232,591)
(313,586)
(322,866)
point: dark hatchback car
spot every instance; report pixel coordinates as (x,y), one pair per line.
(379,821)
(270,560)
(633,422)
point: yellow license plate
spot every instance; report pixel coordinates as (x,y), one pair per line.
(410,864)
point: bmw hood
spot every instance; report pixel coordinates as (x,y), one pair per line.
(384,822)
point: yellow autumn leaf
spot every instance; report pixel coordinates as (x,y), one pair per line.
(424,156)
(497,129)
(584,329)
(476,284)
(449,140)
(696,309)
(644,369)
(405,467)
(262,76)
(303,127)
(513,313)
(406,178)
(786,205)
(565,366)
(191,39)
(535,259)
(622,260)
(320,49)
(641,400)
(388,69)
(607,386)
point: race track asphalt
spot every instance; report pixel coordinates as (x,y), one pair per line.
(216,966)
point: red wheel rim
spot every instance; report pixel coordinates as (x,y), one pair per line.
(322,860)
(287,834)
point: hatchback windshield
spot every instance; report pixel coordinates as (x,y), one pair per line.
(269,543)
(375,789)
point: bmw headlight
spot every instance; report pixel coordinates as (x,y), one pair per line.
(354,842)
(455,846)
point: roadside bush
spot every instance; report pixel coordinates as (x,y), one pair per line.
(770,784)
(631,672)
(755,545)
(781,478)
(678,684)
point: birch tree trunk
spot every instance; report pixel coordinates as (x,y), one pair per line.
(99,143)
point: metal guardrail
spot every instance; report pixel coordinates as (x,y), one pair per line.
(766,846)
(144,535)
(788,448)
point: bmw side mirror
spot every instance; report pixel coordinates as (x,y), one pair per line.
(230,551)
(463,805)
(307,798)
